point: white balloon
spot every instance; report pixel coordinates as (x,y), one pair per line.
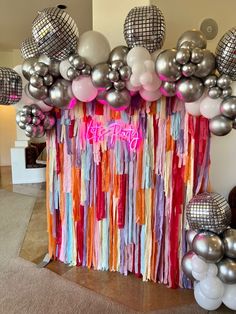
(138,69)
(198,265)
(135,80)
(132,88)
(209,107)
(94,47)
(146,78)
(199,276)
(212,270)
(156,83)
(63,68)
(204,302)
(193,108)
(150,96)
(137,55)
(212,287)
(229,297)
(149,65)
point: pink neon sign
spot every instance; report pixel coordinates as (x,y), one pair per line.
(114,131)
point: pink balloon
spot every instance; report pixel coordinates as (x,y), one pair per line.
(150,95)
(146,78)
(43,106)
(156,83)
(83,89)
(132,88)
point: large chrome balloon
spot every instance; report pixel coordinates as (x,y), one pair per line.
(183,55)
(189,89)
(29,49)
(145,26)
(225,54)
(168,89)
(208,211)
(197,55)
(27,66)
(10,86)
(40,93)
(55,33)
(220,125)
(60,93)
(167,67)
(227,270)
(206,66)
(119,53)
(195,37)
(187,264)
(208,246)
(190,236)
(119,100)
(229,240)
(228,107)
(100,75)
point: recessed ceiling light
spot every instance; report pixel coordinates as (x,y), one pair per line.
(62,6)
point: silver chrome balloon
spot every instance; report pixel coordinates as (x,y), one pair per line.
(208,246)
(167,67)
(210,81)
(214,92)
(86,70)
(119,85)
(78,62)
(227,92)
(186,264)
(54,68)
(117,65)
(119,53)
(100,75)
(36,121)
(224,81)
(72,73)
(190,235)
(189,89)
(22,125)
(25,110)
(227,271)
(38,93)
(207,65)
(27,66)
(195,37)
(30,129)
(40,68)
(118,99)
(229,240)
(114,76)
(29,48)
(183,55)
(220,126)
(168,89)
(197,55)
(48,79)
(10,86)
(188,69)
(25,119)
(49,122)
(59,93)
(125,72)
(228,107)
(18,115)
(36,81)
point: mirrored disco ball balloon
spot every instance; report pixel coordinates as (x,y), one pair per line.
(10,87)
(145,26)
(55,33)
(220,125)
(29,48)
(225,54)
(208,246)
(195,37)
(227,271)
(208,211)
(229,240)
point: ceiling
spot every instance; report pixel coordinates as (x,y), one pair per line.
(16,18)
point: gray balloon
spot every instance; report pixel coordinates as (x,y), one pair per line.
(54,68)
(48,79)
(26,110)
(119,53)
(40,68)
(229,240)
(119,85)
(183,55)
(86,70)
(188,45)
(35,110)
(36,81)
(220,125)
(27,65)
(208,246)
(118,99)
(197,55)
(59,93)
(18,115)
(168,89)
(207,65)
(30,129)
(186,264)
(228,107)
(195,37)
(114,76)
(227,271)
(125,73)
(78,62)
(190,235)
(22,125)
(224,81)
(38,93)
(25,119)
(100,75)
(214,92)
(167,67)
(189,89)
(188,69)
(117,65)
(210,81)
(72,73)
(227,92)
(36,120)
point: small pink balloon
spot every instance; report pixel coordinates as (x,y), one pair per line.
(83,89)
(156,83)
(150,95)
(146,78)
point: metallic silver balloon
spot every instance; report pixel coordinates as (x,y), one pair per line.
(125,73)
(207,65)
(183,55)
(39,131)
(210,81)
(119,85)
(86,70)
(114,76)
(224,81)
(35,110)
(27,66)
(72,73)
(229,240)
(197,55)
(36,121)
(214,92)
(25,119)
(25,110)
(100,75)
(227,271)
(22,125)
(48,79)
(189,89)
(195,37)
(78,62)
(49,122)
(54,68)
(208,246)
(168,89)
(30,129)
(36,81)
(38,93)
(59,93)
(228,107)
(18,115)
(188,45)
(190,235)
(220,125)
(117,65)
(227,92)
(40,68)
(167,67)
(186,264)
(118,99)
(119,53)
(188,69)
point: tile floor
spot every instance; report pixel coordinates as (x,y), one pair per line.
(130,291)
